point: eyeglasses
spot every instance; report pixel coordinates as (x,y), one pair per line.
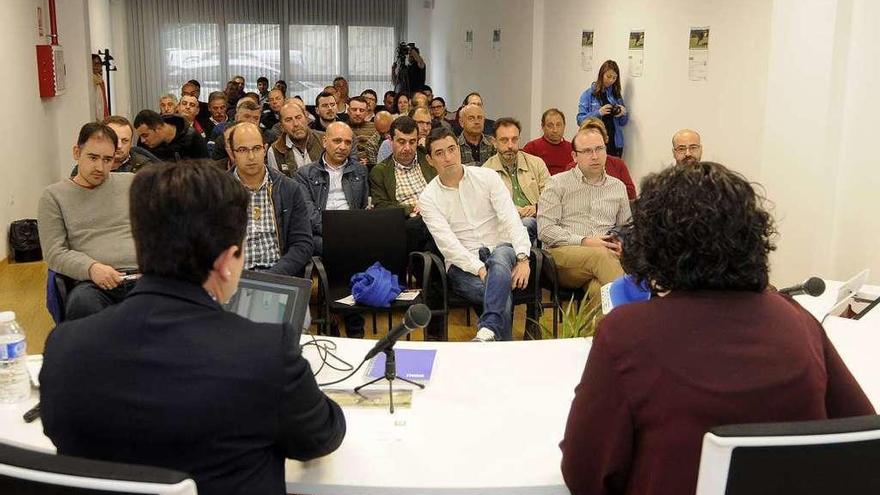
(591,151)
(252,151)
(692,148)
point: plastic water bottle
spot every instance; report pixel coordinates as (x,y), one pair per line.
(15,385)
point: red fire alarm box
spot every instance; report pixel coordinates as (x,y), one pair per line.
(50,70)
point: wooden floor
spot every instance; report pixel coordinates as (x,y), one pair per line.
(23,290)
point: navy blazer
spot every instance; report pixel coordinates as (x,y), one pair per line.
(168,378)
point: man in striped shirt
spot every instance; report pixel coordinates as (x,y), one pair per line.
(578,209)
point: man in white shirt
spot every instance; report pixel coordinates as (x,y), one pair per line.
(478,231)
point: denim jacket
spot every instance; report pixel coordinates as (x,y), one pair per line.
(315,181)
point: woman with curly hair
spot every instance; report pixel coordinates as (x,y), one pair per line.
(604,100)
(718,347)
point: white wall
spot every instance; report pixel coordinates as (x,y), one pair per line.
(37,135)
(504,81)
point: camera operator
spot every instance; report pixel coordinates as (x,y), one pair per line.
(408,70)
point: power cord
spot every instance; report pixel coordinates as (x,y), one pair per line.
(326,348)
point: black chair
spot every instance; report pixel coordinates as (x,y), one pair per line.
(24,471)
(354,240)
(558,294)
(531,296)
(58,287)
(804,458)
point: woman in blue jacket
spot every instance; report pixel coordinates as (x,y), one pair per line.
(604,101)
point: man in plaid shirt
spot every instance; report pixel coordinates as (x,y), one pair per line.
(279,236)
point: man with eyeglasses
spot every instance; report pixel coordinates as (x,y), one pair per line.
(686,147)
(579,209)
(371,98)
(279,238)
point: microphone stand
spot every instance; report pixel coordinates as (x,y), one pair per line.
(390,375)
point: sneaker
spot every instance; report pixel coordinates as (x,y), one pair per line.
(484,335)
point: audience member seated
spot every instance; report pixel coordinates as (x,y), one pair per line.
(336,181)
(427,91)
(363,130)
(439,115)
(476,147)
(271,110)
(167,104)
(282,85)
(232,97)
(604,100)
(524,175)
(128,158)
(168,378)
(552,147)
(419,99)
(388,102)
(402,105)
(398,181)
(194,88)
(614,166)
(686,147)
(717,348)
(325,107)
(475,225)
(340,84)
(188,108)
(279,234)
(263,89)
(84,225)
(474,99)
(247,111)
(217,115)
(371,98)
(382,122)
(168,137)
(422,117)
(297,146)
(578,209)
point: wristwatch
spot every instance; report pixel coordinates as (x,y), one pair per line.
(522,257)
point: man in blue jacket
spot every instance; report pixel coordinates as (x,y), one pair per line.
(279,235)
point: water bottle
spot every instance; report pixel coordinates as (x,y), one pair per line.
(15,385)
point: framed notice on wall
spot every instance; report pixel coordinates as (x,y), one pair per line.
(587,50)
(698,54)
(469,44)
(636,53)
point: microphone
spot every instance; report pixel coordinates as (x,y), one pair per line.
(417,316)
(622,290)
(813,286)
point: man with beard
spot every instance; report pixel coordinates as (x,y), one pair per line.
(686,147)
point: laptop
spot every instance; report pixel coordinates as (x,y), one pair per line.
(271,298)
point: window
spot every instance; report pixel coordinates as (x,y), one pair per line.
(192,51)
(370,55)
(254,51)
(314,60)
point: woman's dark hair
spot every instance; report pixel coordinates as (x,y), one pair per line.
(699,227)
(183,215)
(615,88)
(397,98)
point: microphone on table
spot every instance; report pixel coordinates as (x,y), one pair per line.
(813,286)
(417,316)
(623,290)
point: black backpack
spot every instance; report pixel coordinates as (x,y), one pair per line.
(24,241)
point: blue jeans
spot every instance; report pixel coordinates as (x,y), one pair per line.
(494,293)
(531,225)
(86,299)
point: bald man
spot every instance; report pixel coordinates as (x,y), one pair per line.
(336,181)
(686,147)
(476,147)
(378,147)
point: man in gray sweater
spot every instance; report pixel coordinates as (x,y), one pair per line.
(84,225)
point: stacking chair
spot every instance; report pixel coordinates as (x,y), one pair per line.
(354,240)
(24,471)
(558,295)
(803,458)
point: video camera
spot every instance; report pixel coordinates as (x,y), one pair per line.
(404,48)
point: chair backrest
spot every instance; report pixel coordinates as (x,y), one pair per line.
(804,458)
(24,471)
(355,239)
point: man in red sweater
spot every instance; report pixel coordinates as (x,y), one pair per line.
(552,146)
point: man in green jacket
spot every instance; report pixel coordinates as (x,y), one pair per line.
(398,181)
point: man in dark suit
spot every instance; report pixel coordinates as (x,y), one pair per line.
(167,377)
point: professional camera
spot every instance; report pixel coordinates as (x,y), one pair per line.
(403,49)
(615,110)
